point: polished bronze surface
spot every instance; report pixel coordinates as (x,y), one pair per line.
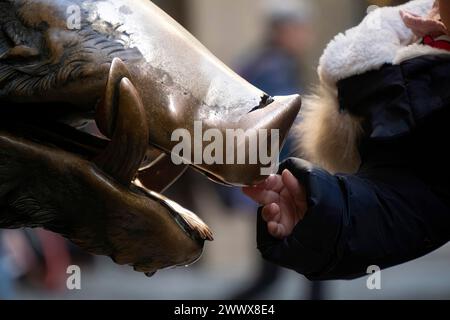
(92,107)
(46,187)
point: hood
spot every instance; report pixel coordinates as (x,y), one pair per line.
(329,136)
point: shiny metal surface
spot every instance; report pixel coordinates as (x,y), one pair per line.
(140,76)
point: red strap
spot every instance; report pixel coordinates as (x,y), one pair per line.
(439,44)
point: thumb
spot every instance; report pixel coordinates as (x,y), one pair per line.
(296,191)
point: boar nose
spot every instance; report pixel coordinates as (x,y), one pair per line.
(280,115)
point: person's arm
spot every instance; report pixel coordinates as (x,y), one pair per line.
(384,218)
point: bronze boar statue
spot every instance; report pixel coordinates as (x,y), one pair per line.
(90,94)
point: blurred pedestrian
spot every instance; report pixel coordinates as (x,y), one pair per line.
(276,66)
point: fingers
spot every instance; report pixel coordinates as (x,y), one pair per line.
(407,14)
(296,190)
(277,230)
(436,5)
(262,196)
(272,215)
(293,186)
(274,183)
(422,26)
(275,193)
(266,192)
(271,212)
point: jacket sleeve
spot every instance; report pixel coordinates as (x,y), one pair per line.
(383,217)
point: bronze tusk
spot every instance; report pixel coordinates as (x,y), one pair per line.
(126,151)
(104,112)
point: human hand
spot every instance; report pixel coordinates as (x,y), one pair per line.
(284,203)
(430,25)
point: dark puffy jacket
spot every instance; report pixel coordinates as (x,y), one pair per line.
(397,207)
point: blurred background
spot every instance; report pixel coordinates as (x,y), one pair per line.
(276,46)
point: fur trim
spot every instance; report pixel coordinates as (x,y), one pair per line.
(330,138)
(327,137)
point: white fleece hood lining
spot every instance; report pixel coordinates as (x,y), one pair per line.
(327,137)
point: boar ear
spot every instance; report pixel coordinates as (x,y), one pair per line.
(15,42)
